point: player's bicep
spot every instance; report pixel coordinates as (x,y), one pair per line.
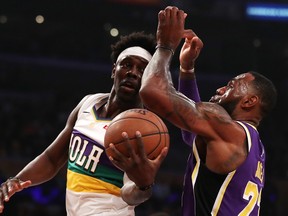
(58,150)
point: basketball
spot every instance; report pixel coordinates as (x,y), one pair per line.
(154,132)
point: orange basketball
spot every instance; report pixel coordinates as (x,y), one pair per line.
(154,132)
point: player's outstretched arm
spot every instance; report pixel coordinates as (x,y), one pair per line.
(9,188)
(43,167)
(187,84)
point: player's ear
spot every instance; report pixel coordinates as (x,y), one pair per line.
(250,101)
(113,71)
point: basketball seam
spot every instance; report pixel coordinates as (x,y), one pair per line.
(160,129)
(146,135)
(141,119)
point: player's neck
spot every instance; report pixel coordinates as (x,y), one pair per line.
(255,123)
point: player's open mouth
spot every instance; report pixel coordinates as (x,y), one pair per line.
(128,86)
(214,99)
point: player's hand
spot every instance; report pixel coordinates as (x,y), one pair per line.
(141,170)
(170,28)
(10,187)
(190,51)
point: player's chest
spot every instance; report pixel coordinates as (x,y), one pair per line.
(90,126)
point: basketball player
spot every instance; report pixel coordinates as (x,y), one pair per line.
(226,169)
(94,185)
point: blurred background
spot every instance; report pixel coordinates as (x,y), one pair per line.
(53,53)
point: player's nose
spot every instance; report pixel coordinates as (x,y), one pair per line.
(221,90)
(133,73)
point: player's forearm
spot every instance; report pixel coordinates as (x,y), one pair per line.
(187,85)
(132,195)
(157,69)
(157,82)
(39,170)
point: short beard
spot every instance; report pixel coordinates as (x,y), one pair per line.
(230,106)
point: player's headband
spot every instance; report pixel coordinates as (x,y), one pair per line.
(135,51)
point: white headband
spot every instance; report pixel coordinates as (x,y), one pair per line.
(135,51)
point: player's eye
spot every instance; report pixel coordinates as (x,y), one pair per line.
(229,85)
(141,69)
(126,65)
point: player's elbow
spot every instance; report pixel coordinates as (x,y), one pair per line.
(144,93)
(155,98)
(148,98)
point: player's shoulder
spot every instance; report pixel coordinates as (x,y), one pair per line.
(93,99)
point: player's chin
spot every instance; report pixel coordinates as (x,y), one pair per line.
(128,90)
(130,95)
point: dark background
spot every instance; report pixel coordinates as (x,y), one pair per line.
(45,69)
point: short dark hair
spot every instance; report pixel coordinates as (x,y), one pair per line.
(266,90)
(146,41)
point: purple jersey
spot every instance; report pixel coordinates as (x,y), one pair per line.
(236,193)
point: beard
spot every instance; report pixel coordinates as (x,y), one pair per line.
(230,106)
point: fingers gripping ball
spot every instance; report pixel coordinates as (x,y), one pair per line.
(154,132)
